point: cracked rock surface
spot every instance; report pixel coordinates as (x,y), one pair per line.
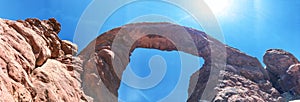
(30,69)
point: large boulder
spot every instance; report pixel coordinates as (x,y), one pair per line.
(284,70)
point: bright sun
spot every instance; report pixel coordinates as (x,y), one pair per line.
(219,7)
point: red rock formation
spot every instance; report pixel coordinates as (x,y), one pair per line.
(109,54)
(35,65)
(29,65)
(284,71)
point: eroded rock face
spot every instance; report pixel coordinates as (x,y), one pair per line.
(236,88)
(284,71)
(33,64)
(232,87)
(109,55)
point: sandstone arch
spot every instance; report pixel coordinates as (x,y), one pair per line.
(117,44)
(35,65)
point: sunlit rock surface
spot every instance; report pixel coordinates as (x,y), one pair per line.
(35,65)
(30,65)
(240,76)
(284,70)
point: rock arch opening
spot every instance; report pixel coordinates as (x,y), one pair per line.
(146,63)
(110,51)
(108,56)
(244,78)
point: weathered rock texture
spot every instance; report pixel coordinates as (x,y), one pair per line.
(32,63)
(241,77)
(35,65)
(284,71)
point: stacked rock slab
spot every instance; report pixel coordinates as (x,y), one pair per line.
(29,67)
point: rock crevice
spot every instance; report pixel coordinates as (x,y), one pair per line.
(30,69)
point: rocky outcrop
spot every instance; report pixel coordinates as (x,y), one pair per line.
(32,68)
(35,65)
(284,71)
(109,54)
(234,87)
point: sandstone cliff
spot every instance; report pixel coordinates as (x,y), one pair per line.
(32,66)
(35,65)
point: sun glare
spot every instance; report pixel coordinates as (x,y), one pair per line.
(218,7)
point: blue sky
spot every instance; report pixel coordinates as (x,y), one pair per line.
(253,26)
